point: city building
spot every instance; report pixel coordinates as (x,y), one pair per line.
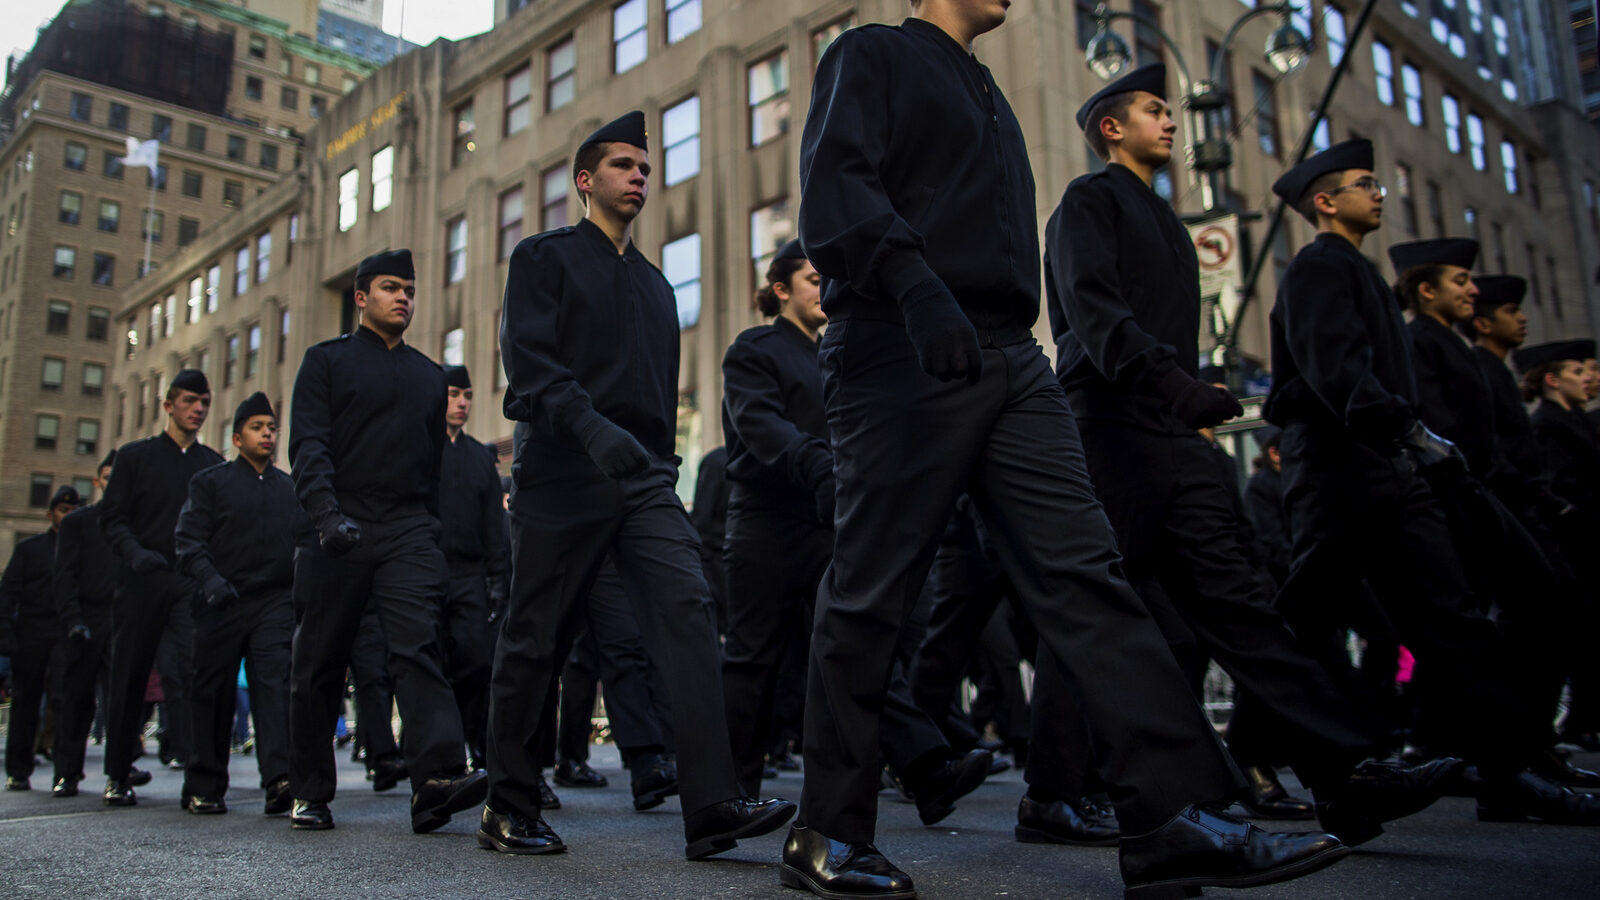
(460,149)
(229,95)
(358,36)
(1586,46)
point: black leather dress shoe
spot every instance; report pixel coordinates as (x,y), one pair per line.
(311,815)
(64,787)
(514,832)
(1378,792)
(719,826)
(278,797)
(936,795)
(547,797)
(14,783)
(119,793)
(1269,799)
(836,870)
(1201,847)
(1529,797)
(654,780)
(204,806)
(1060,822)
(437,799)
(138,777)
(387,772)
(577,774)
(1553,767)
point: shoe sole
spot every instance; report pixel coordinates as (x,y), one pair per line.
(1026,835)
(128,802)
(581,784)
(195,811)
(653,799)
(62,795)
(1190,887)
(720,843)
(474,795)
(794,878)
(310,826)
(489,842)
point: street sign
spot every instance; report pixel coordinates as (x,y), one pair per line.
(1216,243)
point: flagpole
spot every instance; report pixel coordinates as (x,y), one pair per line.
(149,223)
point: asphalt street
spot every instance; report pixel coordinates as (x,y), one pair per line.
(55,849)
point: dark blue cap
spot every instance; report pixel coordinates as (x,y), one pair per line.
(791,250)
(388,262)
(457,377)
(1461,252)
(1495,291)
(627,129)
(1553,351)
(1151,79)
(1292,185)
(65,494)
(192,380)
(1268,436)
(256,404)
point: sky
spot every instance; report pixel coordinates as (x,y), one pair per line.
(424,20)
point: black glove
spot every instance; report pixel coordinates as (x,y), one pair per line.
(338,533)
(79,632)
(1196,403)
(825,497)
(218,592)
(1428,450)
(946,343)
(617,453)
(145,561)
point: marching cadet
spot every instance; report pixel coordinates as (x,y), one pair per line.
(477,552)
(1124,289)
(236,536)
(1344,391)
(923,228)
(85,585)
(590,344)
(367,434)
(1263,498)
(138,515)
(30,631)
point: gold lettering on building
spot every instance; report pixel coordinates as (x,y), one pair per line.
(357,132)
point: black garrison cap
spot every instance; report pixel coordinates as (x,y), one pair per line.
(1495,291)
(1268,436)
(457,377)
(191,380)
(388,262)
(65,494)
(1461,252)
(1292,185)
(1554,351)
(110,460)
(1151,79)
(626,129)
(256,404)
(791,250)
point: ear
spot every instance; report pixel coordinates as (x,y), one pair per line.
(585,181)
(1111,130)
(1427,290)
(781,290)
(238,440)
(1480,325)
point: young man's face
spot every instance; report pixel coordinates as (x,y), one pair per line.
(388,303)
(1507,326)
(1451,296)
(188,410)
(59,512)
(1147,131)
(619,183)
(1591,378)
(1357,203)
(257,439)
(458,408)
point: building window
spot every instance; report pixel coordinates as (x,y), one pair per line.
(88,437)
(155,322)
(188,230)
(110,216)
(52,373)
(252,353)
(1224,86)
(382,178)
(232,194)
(683,19)
(823,38)
(213,286)
(510,221)
(1470,216)
(1535,288)
(1411,83)
(347,84)
(1333,32)
(554,191)
(289,97)
(283,335)
(263,256)
(1266,114)
(1383,69)
(231,370)
(197,293)
(1475,141)
(519,105)
(1147,47)
(452,351)
(1508,160)
(561,74)
(236,146)
(194,182)
(294,238)
(99,324)
(1321,136)
(769,98)
(80,107)
(349,205)
(680,127)
(455,264)
(46,429)
(71,208)
(196,137)
(770,229)
(169,317)
(39,491)
(1435,209)
(58,317)
(1408,199)
(628,43)
(318,106)
(112,167)
(155,223)
(463,141)
(258,47)
(241,270)
(204,362)
(312,74)
(161,127)
(269,156)
(94,379)
(66,263)
(156,179)
(252,87)
(117,119)
(1450,108)
(75,157)
(680,263)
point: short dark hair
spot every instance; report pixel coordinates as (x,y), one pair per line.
(1322,184)
(1115,106)
(173,391)
(364,283)
(781,270)
(588,159)
(1409,287)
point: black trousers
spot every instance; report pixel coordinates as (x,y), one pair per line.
(469,648)
(905,446)
(154,625)
(369,671)
(83,664)
(36,646)
(608,651)
(259,630)
(1177,525)
(400,569)
(565,519)
(1357,514)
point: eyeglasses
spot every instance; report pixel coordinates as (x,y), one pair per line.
(1369,184)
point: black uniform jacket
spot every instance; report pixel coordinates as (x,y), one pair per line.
(710,513)
(1572,456)
(141,505)
(913,167)
(367,428)
(1513,429)
(772,416)
(586,327)
(85,568)
(1263,505)
(471,509)
(1452,397)
(242,525)
(1124,289)
(1341,354)
(27,602)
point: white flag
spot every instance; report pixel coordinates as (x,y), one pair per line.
(142,154)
